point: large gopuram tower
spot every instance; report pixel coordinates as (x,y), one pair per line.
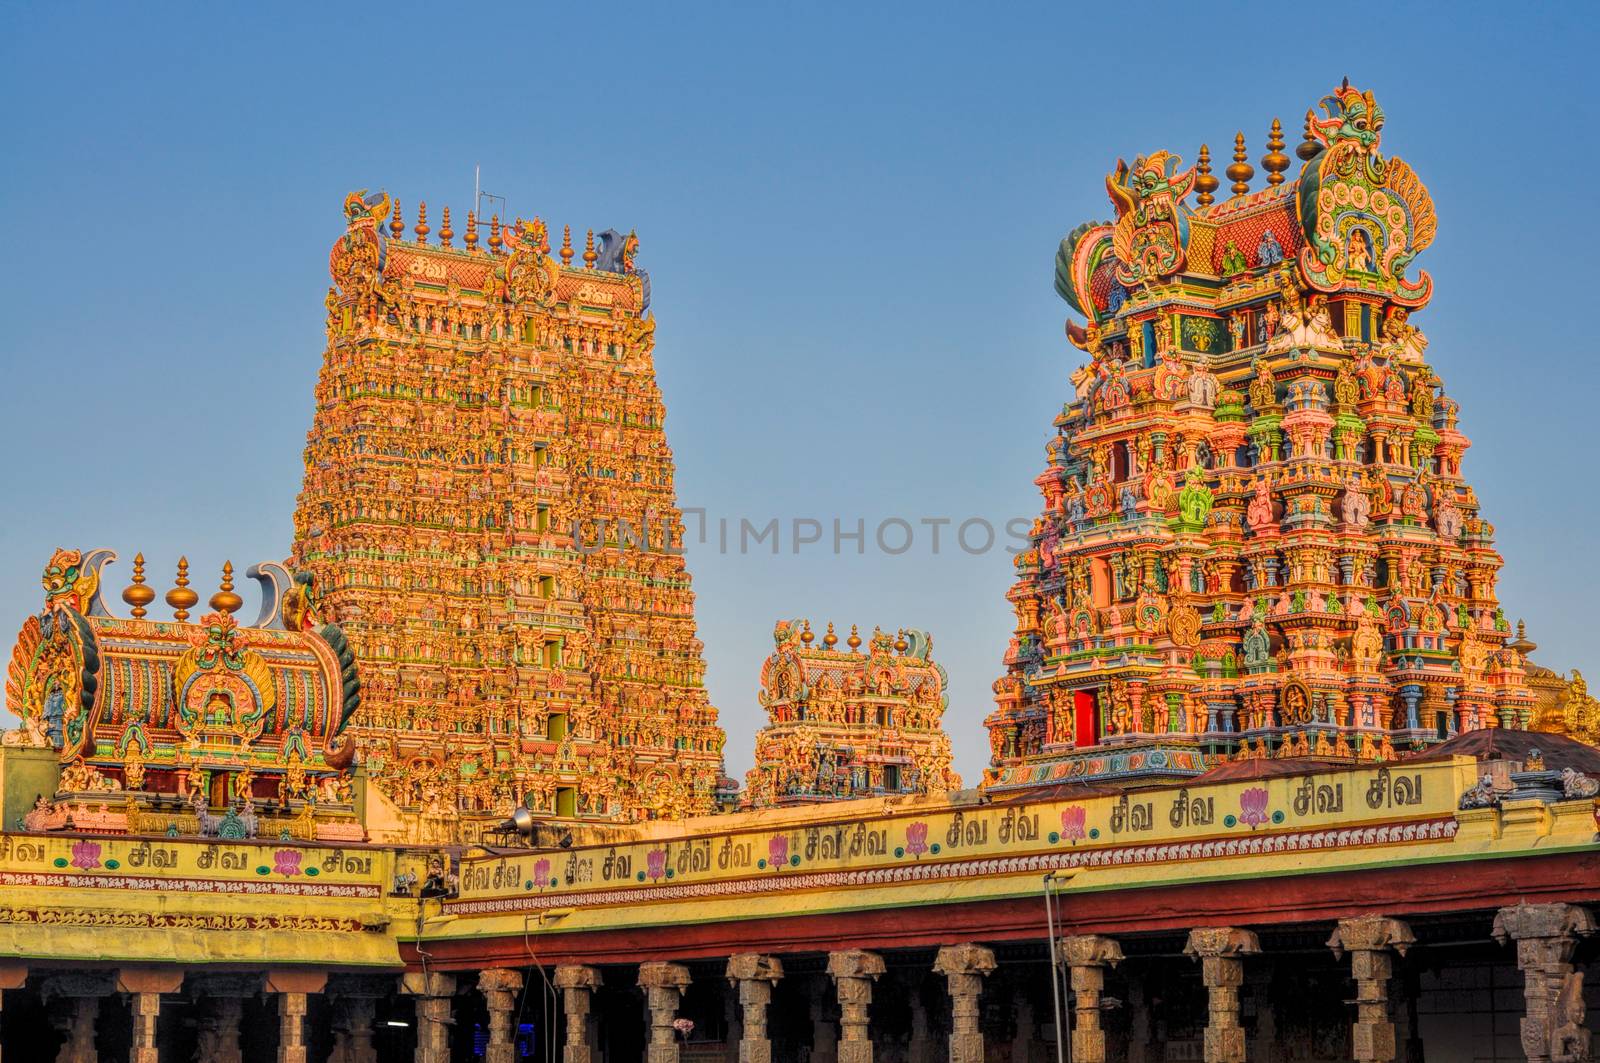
(489,512)
(1256,538)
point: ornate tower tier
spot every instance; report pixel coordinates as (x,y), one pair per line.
(489,510)
(1256,538)
(849,724)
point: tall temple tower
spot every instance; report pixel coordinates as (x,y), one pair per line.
(1256,538)
(489,513)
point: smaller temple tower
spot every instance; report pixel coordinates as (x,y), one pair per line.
(846,724)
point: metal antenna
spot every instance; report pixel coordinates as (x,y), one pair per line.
(479,195)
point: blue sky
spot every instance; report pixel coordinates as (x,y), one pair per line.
(849,215)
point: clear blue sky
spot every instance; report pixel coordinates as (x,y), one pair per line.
(849,214)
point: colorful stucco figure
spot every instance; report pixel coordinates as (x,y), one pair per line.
(1256,537)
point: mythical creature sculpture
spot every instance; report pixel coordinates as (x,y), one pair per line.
(1152,227)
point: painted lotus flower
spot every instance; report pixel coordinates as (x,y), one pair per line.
(917,839)
(777,851)
(1072,823)
(86,855)
(286,861)
(1253,806)
(655,864)
(541,873)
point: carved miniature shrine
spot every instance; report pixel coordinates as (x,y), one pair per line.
(1256,540)
(848,724)
(489,511)
(184,727)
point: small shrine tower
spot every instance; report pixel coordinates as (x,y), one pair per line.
(848,724)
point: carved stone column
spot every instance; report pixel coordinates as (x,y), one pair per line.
(12,976)
(1369,941)
(219,1000)
(144,988)
(964,968)
(433,992)
(663,985)
(577,985)
(1087,956)
(355,1002)
(853,972)
(1221,951)
(824,1034)
(918,1049)
(1552,1029)
(754,975)
(499,986)
(1139,1032)
(1264,1045)
(292,989)
(1022,1050)
(73,1000)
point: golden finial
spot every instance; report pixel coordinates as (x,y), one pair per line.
(138,594)
(225,601)
(566,245)
(494,234)
(589,255)
(854,641)
(1241,171)
(421,228)
(1309,144)
(830,640)
(806,634)
(1275,161)
(1523,645)
(900,643)
(472,230)
(180,597)
(397,224)
(1204,182)
(444,229)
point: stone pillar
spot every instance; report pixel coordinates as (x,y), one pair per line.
(144,988)
(663,985)
(577,985)
(293,988)
(918,1048)
(964,968)
(1022,1050)
(754,975)
(433,992)
(73,1000)
(1264,1045)
(1087,956)
(355,999)
(853,972)
(1369,941)
(1139,1031)
(499,986)
(1552,1029)
(12,976)
(1221,951)
(219,1003)
(824,1035)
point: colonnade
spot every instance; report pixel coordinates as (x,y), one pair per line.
(1545,937)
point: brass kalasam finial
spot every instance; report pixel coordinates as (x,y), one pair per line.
(138,594)
(1275,161)
(421,228)
(1308,145)
(806,634)
(589,255)
(397,224)
(445,232)
(494,234)
(854,641)
(471,237)
(180,597)
(566,245)
(1204,182)
(1241,171)
(830,640)
(225,600)
(900,643)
